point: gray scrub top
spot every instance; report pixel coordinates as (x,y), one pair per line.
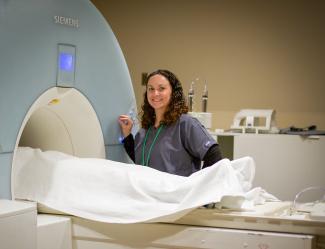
(179,148)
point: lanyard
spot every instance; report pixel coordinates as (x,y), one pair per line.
(143,160)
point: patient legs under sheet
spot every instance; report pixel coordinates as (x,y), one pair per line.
(114,192)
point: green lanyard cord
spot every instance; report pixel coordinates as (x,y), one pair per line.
(144,161)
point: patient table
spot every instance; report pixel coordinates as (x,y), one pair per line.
(204,228)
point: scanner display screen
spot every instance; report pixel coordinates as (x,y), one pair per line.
(66,62)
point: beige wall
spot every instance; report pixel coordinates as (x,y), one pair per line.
(252,54)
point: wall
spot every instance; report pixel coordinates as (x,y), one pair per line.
(252,54)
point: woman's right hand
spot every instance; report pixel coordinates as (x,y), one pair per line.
(126,124)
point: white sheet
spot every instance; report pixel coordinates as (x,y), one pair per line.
(114,192)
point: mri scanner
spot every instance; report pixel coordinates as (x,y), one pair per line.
(63,83)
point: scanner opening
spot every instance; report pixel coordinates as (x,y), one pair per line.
(61,119)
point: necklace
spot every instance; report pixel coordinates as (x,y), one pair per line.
(145,161)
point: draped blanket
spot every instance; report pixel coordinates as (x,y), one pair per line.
(114,192)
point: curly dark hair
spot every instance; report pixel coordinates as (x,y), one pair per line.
(176,107)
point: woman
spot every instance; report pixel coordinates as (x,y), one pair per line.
(170,140)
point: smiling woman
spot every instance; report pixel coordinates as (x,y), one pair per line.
(159,93)
(170,140)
